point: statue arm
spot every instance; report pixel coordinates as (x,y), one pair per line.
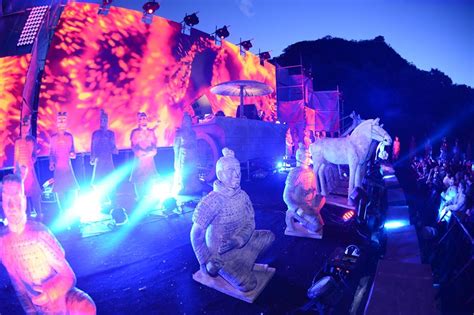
(34,151)
(52,154)
(198,241)
(152,148)
(72,150)
(112,140)
(93,149)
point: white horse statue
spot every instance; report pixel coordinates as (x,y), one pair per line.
(352,150)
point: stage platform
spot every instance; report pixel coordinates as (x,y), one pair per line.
(148,268)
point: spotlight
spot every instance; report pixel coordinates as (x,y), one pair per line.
(148,9)
(349,214)
(105,7)
(264,56)
(247,44)
(222,32)
(32,25)
(191,20)
(119,215)
(170,205)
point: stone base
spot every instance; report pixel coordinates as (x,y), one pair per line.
(261,271)
(304,233)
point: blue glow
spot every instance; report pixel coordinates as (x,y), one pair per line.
(280,165)
(396,224)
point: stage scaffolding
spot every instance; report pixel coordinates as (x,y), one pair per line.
(302,107)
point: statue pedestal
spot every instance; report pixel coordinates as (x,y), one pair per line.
(302,232)
(263,273)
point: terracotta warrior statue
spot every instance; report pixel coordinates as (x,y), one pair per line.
(102,148)
(143,141)
(35,261)
(223,234)
(185,158)
(60,155)
(25,159)
(303,215)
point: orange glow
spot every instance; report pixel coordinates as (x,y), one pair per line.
(12,80)
(118,63)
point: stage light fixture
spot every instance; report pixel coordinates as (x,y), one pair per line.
(170,205)
(349,214)
(222,32)
(191,19)
(119,216)
(105,7)
(148,9)
(246,44)
(264,56)
(32,25)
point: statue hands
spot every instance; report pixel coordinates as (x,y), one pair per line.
(229,244)
(213,265)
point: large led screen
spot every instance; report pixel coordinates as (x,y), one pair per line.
(12,80)
(118,63)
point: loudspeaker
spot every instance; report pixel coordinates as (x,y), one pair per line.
(250,111)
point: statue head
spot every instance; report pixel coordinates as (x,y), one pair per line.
(228,169)
(25,125)
(14,202)
(187,121)
(61,121)
(303,157)
(104,119)
(142,120)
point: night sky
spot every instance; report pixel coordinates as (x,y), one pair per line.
(428,33)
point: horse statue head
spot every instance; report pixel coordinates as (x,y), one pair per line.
(379,134)
(371,129)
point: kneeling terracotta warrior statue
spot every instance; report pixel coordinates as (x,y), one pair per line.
(303,217)
(223,235)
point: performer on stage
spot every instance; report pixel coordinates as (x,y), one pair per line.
(43,280)
(396,149)
(60,155)
(25,159)
(102,148)
(143,140)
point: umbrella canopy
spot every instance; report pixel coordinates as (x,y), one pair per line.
(242,88)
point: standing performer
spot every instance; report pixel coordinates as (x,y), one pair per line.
(60,155)
(25,159)
(43,280)
(396,149)
(102,148)
(143,140)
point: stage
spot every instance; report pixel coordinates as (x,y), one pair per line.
(148,269)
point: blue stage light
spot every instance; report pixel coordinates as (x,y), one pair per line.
(396,224)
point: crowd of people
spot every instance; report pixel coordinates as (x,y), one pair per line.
(444,184)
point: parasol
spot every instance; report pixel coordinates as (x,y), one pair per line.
(242,88)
